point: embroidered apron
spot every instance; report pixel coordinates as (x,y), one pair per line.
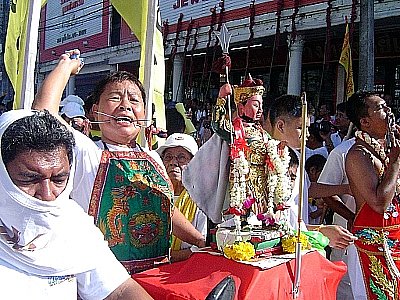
(131,202)
(378,248)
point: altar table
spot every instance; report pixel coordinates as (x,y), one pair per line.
(197,276)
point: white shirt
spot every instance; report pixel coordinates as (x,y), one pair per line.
(95,284)
(321,150)
(334,173)
(294,200)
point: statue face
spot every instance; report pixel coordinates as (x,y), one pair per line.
(252,108)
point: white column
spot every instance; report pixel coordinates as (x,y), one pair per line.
(295,61)
(340,85)
(177,81)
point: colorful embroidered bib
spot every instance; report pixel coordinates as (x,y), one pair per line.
(131,202)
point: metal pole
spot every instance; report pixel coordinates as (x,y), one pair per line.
(304,118)
(366,57)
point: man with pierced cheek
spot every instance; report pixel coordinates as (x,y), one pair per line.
(124,187)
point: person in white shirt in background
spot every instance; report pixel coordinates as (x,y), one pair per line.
(316,206)
(73,113)
(176,153)
(351,286)
(315,143)
(341,124)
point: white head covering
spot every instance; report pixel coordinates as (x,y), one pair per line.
(179,139)
(73,110)
(72,99)
(45,238)
(72,106)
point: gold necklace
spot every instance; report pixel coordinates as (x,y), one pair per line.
(374,144)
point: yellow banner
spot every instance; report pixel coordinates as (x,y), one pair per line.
(137,21)
(346,61)
(15,45)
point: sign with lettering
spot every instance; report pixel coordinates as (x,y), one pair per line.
(171,9)
(72,20)
(196,9)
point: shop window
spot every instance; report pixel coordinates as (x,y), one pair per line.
(115,28)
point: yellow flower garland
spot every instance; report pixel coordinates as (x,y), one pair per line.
(241,251)
(289,243)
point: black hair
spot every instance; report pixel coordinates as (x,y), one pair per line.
(357,106)
(118,76)
(317,160)
(341,107)
(294,159)
(285,105)
(314,130)
(39,132)
(175,122)
(328,106)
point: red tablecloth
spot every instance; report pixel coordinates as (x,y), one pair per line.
(197,276)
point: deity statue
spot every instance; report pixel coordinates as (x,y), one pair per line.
(258,180)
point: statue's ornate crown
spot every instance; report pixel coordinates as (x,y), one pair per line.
(249,88)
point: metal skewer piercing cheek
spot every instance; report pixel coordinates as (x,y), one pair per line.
(127,119)
(104,114)
(390,124)
(101,122)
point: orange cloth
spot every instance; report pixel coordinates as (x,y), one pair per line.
(379,266)
(197,276)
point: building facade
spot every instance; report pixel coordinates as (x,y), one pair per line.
(293,45)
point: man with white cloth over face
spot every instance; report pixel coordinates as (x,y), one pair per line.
(49,247)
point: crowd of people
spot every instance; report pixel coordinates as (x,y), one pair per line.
(60,186)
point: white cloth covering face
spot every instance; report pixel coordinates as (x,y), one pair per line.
(63,238)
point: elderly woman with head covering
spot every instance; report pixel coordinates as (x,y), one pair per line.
(74,114)
(176,153)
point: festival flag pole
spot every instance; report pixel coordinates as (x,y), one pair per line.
(296,284)
(149,59)
(346,62)
(224,38)
(21,50)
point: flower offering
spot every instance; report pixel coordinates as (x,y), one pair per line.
(241,251)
